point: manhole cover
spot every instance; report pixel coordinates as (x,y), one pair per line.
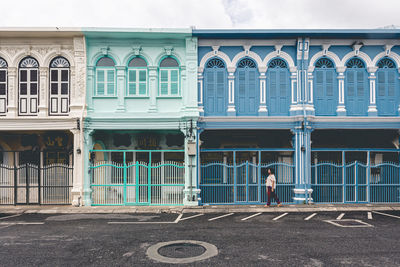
(349,223)
(181,251)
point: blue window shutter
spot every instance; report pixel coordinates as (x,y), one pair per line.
(252,93)
(210,96)
(319,84)
(221,91)
(381,83)
(329,83)
(391,83)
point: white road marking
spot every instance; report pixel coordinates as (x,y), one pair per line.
(178,218)
(21,223)
(360,223)
(251,216)
(309,217)
(219,217)
(280,216)
(176,221)
(191,217)
(340,216)
(390,215)
(11,216)
(369,215)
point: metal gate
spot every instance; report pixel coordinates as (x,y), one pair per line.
(137,182)
(241,182)
(31,183)
(355,182)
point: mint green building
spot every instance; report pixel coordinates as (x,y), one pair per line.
(140,128)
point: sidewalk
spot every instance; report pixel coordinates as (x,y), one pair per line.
(197,209)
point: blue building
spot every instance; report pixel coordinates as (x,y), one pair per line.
(321,107)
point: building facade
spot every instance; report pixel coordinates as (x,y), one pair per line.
(101,116)
(42,102)
(142,114)
(319,107)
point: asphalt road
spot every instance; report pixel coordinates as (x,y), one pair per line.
(267,239)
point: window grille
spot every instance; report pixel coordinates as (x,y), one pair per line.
(215,63)
(277,63)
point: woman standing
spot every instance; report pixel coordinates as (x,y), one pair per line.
(270,183)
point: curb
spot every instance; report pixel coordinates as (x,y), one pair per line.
(199,209)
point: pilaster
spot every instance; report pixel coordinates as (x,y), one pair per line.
(77,187)
(12,93)
(263,110)
(121,70)
(200,82)
(341,109)
(231,95)
(88,145)
(372,110)
(43,91)
(153,89)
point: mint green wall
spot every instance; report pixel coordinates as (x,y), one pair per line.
(152,45)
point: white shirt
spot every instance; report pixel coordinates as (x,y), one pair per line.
(271,178)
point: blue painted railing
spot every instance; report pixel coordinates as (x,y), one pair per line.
(242,183)
(355,183)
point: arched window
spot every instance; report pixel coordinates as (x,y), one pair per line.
(169,77)
(3,86)
(105,77)
(325,89)
(278,89)
(247,96)
(59,86)
(357,89)
(28,86)
(137,77)
(215,88)
(387,95)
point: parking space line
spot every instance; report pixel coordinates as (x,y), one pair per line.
(191,217)
(251,216)
(309,217)
(21,223)
(369,214)
(340,216)
(176,221)
(11,216)
(219,217)
(390,215)
(280,216)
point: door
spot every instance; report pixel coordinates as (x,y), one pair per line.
(215,91)
(278,92)
(28,91)
(325,92)
(28,178)
(357,92)
(59,91)
(387,98)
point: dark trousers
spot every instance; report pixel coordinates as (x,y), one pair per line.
(272,194)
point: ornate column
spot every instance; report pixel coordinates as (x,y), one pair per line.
(78,78)
(200,82)
(310,88)
(295,81)
(121,70)
(302,146)
(77,186)
(12,92)
(341,109)
(153,88)
(231,93)
(43,91)
(191,76)
(263,110)
(372,111)
(87,145)
(90,88)
(191,192)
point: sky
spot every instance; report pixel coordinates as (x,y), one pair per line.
(243,14)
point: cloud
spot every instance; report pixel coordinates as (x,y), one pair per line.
(202,13)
